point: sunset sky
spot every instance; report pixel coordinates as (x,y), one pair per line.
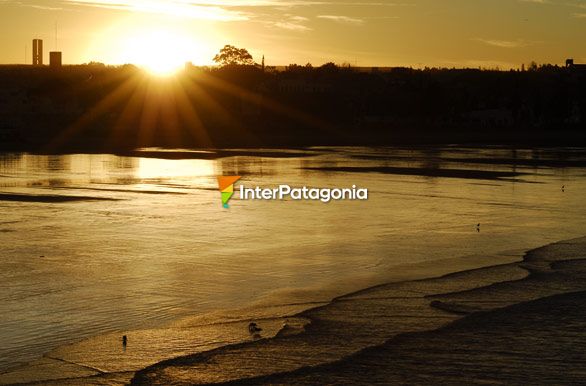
(450,33)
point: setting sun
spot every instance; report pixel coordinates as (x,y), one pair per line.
(161,52)
(160,47)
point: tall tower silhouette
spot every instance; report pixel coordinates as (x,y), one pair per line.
(37,52)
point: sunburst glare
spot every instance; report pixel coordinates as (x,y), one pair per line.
(161,52)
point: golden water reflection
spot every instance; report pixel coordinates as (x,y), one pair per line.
(163,248)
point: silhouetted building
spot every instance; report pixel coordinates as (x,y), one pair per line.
(570,64)
(55,59)
(37,52)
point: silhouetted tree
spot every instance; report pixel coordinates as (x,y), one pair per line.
(328,69)
(230,55)
(331,66)
(96,64)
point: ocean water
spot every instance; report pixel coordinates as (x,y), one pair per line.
(91,245)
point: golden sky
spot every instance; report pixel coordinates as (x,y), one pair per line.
(450,33)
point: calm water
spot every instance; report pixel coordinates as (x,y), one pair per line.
(165,248)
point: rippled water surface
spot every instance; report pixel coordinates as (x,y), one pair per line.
(91,244)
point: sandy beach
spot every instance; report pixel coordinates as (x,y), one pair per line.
(509,323)
(513,324)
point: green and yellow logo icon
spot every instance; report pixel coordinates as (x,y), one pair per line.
(226,185)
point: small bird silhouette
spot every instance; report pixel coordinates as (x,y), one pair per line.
(253,328)
(478,227)
(563,188)
(124,340)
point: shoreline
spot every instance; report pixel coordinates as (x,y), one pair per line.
(307,150)
(265,308)
(307,312)
(295,361)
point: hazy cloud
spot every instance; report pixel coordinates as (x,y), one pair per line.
(291,26)
(504,43)
(173,8)
(219,10)
(291,23)
(535,1)
(37,5)
(342,19)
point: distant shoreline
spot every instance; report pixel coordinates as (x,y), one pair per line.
(116,109)
(298,150)
(412,138)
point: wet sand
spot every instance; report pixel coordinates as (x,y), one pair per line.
(539,342)
(508,323)
(104,360)
(519,323)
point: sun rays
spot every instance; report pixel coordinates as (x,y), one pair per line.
(195,108)
(144,109)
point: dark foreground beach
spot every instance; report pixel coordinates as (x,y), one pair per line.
(520,323)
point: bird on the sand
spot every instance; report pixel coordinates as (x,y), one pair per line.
(253,328)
